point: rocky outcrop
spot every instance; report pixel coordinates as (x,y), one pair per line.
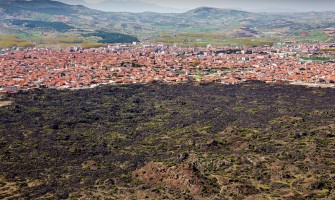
(182,178)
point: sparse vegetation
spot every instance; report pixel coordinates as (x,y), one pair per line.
(330,49)
(149,140)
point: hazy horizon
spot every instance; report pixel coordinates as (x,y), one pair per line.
(184,5)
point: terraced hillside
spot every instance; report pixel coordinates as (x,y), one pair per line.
(158,141)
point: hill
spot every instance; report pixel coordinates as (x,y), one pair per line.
(46,18)
(21,16)
(158,141)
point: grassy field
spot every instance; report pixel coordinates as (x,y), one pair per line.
(31,40)
(9,41)
(203,39)
(317,36)
(311,36)
(318,58)
(183,39)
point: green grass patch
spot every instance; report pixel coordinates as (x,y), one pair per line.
(312,36)
(92,45)
(317,58)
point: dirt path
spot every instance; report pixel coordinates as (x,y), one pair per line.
(5,103)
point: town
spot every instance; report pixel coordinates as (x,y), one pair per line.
(77,68)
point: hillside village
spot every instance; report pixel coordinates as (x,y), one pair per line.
(124,64)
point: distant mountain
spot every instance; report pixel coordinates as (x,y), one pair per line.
(275,10)
(49,7)
(209,14)
(124,6)
(214,11)
(48,17)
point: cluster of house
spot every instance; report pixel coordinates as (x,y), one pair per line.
(43,68)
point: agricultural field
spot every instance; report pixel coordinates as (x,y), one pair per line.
(8,41)
(319,58)
(311,36)
(28,40)
(215,39)
(169,141)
